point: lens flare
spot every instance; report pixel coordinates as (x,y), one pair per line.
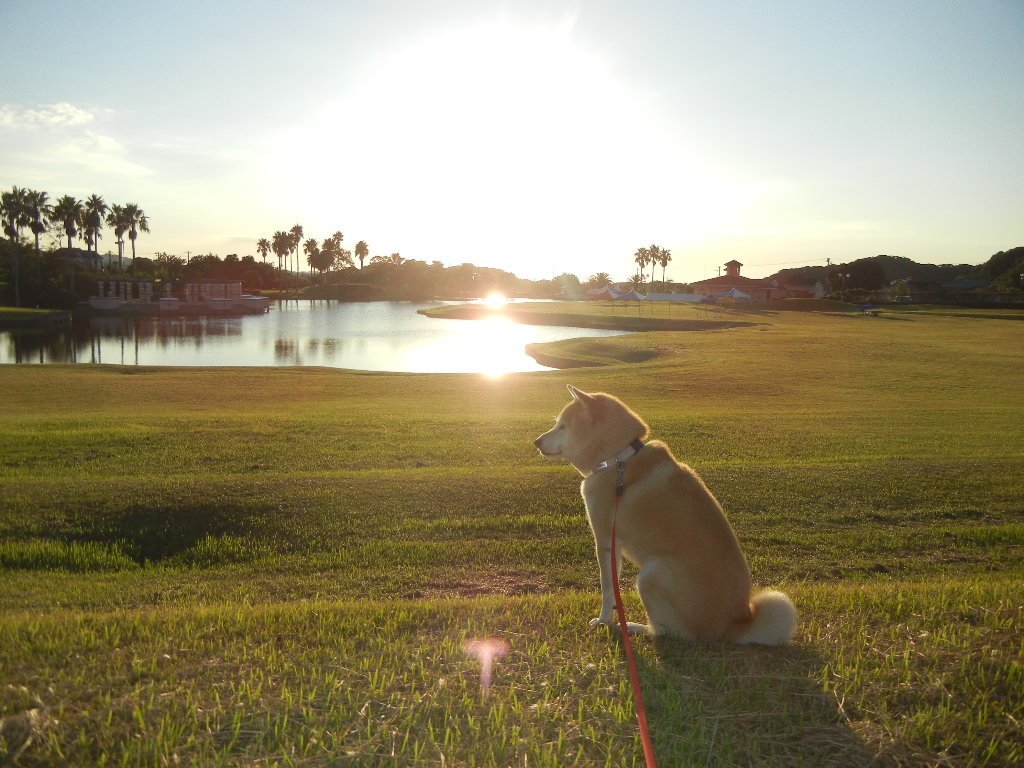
(486,650)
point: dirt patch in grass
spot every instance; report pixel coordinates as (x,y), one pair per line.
(492,582)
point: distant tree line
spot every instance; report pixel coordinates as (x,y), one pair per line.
(60,276)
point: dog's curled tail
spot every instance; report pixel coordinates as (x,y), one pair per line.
(774,621)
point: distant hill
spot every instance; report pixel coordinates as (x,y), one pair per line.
(898,267)
(893,267)
(1003,269)
(811,274)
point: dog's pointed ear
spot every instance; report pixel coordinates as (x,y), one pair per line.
(582,397)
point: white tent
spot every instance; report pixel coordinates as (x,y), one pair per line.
(605,295)
(736,295)
(630,296)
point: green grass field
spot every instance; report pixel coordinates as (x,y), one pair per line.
(282,566)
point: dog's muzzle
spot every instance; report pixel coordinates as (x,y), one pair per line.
(539,442)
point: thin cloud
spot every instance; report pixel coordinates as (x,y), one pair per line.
(98,153)
(60,114)
(64,146)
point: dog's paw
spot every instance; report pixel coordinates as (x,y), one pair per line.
(632,627)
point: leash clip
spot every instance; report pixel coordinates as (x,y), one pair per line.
(620,483)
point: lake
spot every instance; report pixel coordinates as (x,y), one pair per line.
(371,336)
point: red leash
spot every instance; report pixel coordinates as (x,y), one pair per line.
(634,672)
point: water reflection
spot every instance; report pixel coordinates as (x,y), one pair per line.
(379,336)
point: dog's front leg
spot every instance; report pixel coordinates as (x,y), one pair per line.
(604,562)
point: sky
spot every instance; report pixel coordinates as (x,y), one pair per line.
(539,137)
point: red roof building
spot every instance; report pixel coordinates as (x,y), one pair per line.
(758,290)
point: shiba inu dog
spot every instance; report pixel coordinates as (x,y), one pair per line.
(693,579)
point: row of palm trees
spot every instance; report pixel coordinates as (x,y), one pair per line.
(23,208)
(320,256)
(655,256)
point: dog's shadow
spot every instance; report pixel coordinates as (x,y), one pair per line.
(723,704)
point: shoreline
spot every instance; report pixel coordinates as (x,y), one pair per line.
(518,313)
(20,319)
(557,362)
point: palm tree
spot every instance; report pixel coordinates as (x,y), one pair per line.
(311,248)
(137,220)
(68,213)
(296,233)
(13,208)
(329,251)
(39,211)
(92,221)
(117,219)
(599,280)
(337,250)
(664,257)
(16,207)
(642,257)
(281,245)
(11,205)
(339,257)
(652,259)
(362,251)
(25,209)
(263,248)
(321,259)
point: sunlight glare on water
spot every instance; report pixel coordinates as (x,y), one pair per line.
(491,346)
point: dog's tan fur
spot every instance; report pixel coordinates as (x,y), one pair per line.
(692,579)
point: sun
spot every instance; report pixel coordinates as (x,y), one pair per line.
(502,142)
(495,300)
(479,120)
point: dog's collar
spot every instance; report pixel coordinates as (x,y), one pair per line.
(630,451)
